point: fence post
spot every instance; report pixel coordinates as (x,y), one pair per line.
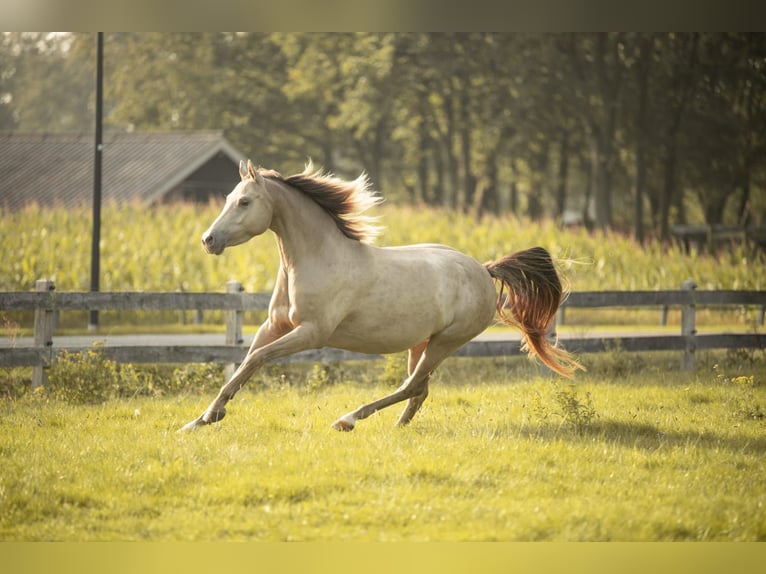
(43,334)
(233,324)
(688,327)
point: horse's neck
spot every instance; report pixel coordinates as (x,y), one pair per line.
(304,230)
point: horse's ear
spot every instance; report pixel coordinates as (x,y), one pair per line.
(242,169)
(251,170)
(254,173)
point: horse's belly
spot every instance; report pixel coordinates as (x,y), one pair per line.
(378,338)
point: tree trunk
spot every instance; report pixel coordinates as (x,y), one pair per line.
(600,181)
(563,173)
(488,201)
(469,182)
(450,160)
(668,191)
(642,73)
(714,208)
(683,87)
(538,183)
(513,196)
(743,212)
(439,196)
(421,190)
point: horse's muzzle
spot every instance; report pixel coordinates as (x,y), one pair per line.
(211,245)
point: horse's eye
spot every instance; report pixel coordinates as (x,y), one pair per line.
(243,201)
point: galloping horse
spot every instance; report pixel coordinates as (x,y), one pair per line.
(335,289)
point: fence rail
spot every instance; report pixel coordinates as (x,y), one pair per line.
(45,301)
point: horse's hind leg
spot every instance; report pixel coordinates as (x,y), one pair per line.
(414,387)
(414,404)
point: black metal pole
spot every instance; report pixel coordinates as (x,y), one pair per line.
(95,259)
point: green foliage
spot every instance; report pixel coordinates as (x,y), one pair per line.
(574,411)
(41,87)
(196,378)
(392,370)
(158,250)
(89,378)
(15,382)
(615,362)
(320,376)
(452,119)
(571,410)
(743,395)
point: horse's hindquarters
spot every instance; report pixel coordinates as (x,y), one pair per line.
(413,294)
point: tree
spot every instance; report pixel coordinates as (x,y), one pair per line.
(43,87)
(473,121)
(599,72)
(726,125)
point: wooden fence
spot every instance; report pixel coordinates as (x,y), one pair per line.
(46,301)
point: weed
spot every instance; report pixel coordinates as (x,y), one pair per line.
(741,357)
(319,377)
(196,377)
(15,382)
(539,411)
(615,362)
(82,378)
(574,412)
(12,330)
(743,400)
(90,378)
(392,370)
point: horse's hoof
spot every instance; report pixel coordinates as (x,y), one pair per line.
(215,416)
(344,424)
(193,425)
(204,420)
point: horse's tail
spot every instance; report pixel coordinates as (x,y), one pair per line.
(534,293)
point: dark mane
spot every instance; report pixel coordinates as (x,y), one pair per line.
(344,201)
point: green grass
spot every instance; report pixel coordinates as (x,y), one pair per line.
(634,451)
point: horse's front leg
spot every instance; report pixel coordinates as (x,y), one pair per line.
(302,337)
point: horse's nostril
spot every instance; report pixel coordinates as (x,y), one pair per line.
(207,239)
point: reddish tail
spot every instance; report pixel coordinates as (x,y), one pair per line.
(534,293)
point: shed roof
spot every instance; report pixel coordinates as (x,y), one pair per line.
(57,169)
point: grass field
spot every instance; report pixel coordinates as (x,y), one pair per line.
(635,451)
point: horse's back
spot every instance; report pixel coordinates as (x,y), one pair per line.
(414,292)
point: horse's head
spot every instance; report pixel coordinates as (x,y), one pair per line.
(247,213)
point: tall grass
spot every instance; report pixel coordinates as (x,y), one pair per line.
(158,249)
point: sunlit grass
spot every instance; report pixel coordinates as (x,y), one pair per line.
(495,454)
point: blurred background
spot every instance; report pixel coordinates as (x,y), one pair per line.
(635,132)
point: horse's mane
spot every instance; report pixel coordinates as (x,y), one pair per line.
(345,201)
